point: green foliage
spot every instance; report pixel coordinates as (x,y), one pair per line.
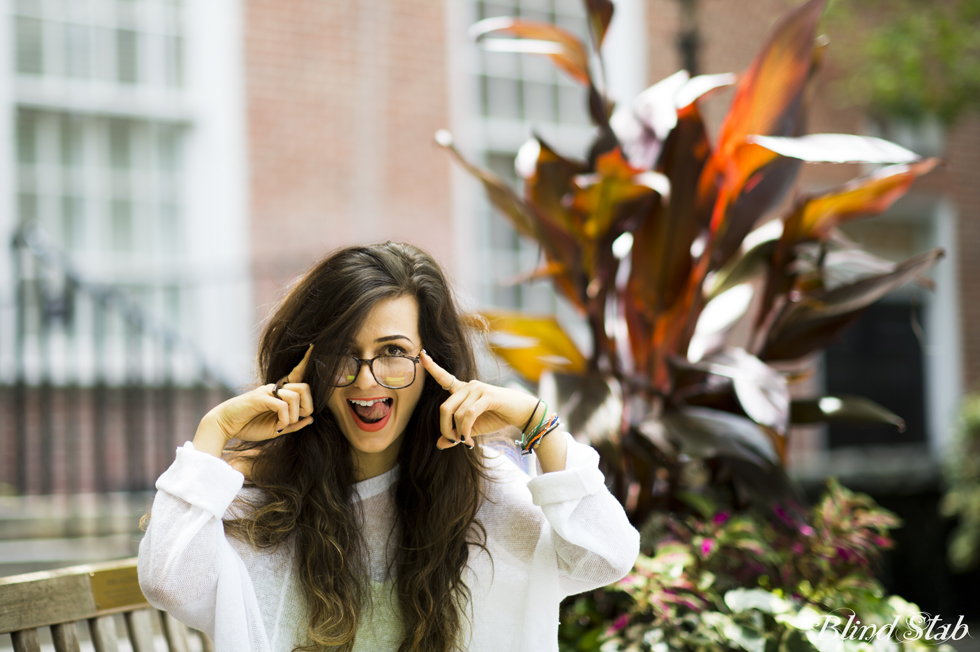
(722,581)
(962,498)
(910,59)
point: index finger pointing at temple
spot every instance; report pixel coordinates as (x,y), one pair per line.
(296,375)
(440,375)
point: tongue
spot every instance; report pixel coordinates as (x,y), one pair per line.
(371,413)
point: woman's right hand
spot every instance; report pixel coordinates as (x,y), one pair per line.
(258,415)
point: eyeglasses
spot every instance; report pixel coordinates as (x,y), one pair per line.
(390,371)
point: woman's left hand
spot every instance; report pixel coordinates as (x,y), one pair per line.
(478,408)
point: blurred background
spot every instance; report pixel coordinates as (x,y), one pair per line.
(168,167)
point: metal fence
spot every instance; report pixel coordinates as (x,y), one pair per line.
(100,392)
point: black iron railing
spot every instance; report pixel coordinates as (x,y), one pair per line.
(100,393)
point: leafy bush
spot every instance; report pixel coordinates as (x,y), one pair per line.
(962,498)
(725,581)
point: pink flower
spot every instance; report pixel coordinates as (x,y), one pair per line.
(798,548)
(720,518)
(618,624)
(707,546)
(807,531)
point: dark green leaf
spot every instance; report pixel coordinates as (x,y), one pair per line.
(761,390)
(842,409)
(751,265)
(815,320)
(704,433)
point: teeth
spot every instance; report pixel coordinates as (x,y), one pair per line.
(367,403)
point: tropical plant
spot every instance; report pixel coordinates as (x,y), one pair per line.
(701,309)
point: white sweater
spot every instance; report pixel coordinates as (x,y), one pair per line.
(555,535)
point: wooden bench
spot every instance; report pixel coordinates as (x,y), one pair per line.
(95,594)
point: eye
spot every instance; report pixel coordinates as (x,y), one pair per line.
(392,349)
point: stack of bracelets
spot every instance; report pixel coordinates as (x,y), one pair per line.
(530,440)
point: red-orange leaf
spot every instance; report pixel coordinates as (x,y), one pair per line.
(662,247)
(533,344)
(767,97)
(817,216)
(600,15)
(549,180)
(564,49)
(528,220)
(599,196)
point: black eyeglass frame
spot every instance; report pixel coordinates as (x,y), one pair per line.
(370,363)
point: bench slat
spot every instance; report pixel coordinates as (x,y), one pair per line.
(104,634)
(175,632)
(65,637)
(67,595)
(140,630)
(26,641)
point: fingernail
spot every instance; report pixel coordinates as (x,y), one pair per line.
(471,446)
(278,432)
(455,441)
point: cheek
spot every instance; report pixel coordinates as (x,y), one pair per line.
(336,406)
(410,399)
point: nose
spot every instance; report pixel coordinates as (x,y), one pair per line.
(365,379)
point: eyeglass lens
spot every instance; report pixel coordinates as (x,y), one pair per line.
(392,372)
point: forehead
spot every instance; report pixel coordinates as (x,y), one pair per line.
(397,316)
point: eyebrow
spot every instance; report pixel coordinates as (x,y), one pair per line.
(389,338)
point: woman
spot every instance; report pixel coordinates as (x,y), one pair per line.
(365,524)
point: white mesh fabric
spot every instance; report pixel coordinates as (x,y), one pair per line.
(557,534)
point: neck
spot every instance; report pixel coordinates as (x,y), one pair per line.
(371,465)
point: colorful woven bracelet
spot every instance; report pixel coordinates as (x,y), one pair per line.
(525,436)
(538,434)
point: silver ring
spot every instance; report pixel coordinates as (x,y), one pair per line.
(451,385)
(282,381)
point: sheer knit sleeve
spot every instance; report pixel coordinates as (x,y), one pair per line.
(564,520)
(186,564)
(594,541)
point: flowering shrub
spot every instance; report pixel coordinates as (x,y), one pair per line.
(723,581)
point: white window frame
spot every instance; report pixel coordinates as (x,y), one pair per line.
(215,272)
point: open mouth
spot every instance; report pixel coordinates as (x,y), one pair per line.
(370,414)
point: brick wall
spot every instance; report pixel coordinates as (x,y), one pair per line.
(343,98)
(963,158)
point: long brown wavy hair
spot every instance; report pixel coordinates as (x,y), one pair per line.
(308,477)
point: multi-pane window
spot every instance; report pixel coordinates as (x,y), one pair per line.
(517,92)
(521,87)
(126,42)
(106,190)
(99,152)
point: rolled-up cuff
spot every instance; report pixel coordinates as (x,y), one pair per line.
(202,480)
(580,478)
